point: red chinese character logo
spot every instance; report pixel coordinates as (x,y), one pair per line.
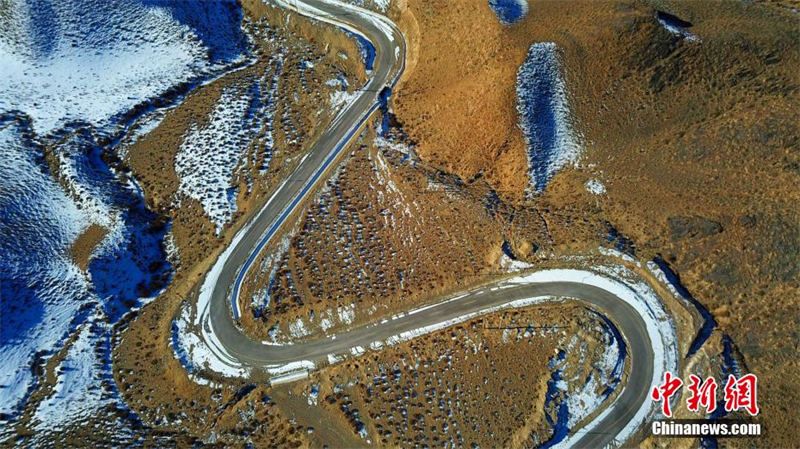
(704,394)
(665,391)
(741,393)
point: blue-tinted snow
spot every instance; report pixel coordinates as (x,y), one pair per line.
(544,115)
(675,25)
(554,399)
(85,384)
(729,363)
(41,290)
(509,11)
(570,400)
(73,61)
(86,68)
(45,297)
(366,47)
(215,23)
(617,346)
(507,250)
(131,262)
(620,242)
(386,114)
(730,366)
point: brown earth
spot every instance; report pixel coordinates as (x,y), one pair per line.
(481,382)
(153,382)
(674,130)
(682,134)
(83,246)
(300,115)
(685,130)
(386,233)
(695,142)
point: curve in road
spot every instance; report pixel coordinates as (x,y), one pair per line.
(223,283)
(390,58)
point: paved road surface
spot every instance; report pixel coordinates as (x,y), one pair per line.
(389,46)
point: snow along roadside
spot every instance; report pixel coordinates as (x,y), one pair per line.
(641,297)
(228,366)
(307,10)
(213,347)
(660,329)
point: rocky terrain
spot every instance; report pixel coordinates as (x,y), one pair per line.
(521,134)
(679,128)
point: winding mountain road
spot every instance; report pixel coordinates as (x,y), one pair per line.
(219,313)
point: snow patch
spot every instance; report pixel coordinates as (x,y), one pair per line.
(207,158)
(544,115)
(676,26)
(313,395)
(347,313)
(595,187)
(292,367)
(509,11)
(340,98)
(38,223)
(508,264)
(75,395)
(659,324)
(297,328)
(194,353)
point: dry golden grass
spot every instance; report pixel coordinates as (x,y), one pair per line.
(152,381)
(673,129)
(387,234)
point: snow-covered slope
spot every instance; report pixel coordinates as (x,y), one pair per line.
(82,60)
(44,296)
(209,155)
(85,67)
(41,289)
